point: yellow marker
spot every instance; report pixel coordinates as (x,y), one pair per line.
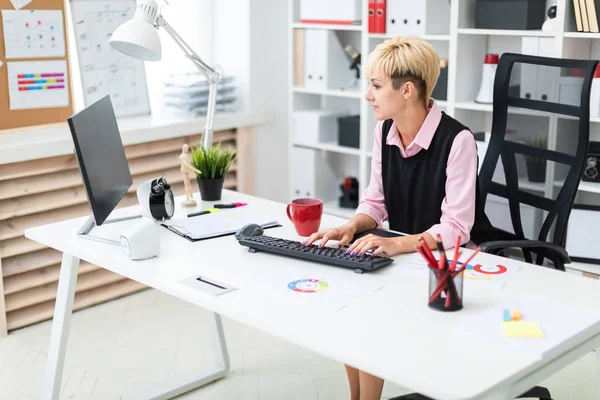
(516,315)
(522,329)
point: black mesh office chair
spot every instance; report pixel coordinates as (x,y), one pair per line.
(556,90)
(561,93)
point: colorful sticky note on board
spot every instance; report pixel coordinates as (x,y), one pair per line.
(523,329)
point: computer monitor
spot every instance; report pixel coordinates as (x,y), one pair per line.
(101,157)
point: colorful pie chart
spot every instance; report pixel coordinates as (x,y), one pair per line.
(308,285)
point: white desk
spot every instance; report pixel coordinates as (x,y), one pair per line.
(390,333)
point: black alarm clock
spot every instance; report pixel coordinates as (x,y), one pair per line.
(162,201)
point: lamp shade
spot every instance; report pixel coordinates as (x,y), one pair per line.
(138,37)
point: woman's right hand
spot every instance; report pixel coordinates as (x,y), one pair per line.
(343,234)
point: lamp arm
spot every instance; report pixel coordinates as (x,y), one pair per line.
(212,75)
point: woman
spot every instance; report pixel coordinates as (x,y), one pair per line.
(423,171)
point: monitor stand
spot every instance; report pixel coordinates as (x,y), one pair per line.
(91,223)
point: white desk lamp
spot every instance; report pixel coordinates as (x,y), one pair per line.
(139,38)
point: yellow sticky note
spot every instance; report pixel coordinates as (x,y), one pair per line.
(522,329)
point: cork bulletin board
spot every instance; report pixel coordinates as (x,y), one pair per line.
(39,76)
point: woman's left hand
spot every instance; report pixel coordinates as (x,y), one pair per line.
(379,245)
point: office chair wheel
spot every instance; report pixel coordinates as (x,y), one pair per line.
(412,396)
(537,392)
(358,270)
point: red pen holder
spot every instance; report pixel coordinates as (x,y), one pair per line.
(445,290)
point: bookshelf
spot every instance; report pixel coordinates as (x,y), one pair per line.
(464,47)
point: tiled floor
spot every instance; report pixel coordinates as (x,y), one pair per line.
(126,346)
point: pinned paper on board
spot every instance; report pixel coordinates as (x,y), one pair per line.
(37,84)
(18,4)
(33,33)
(1,63)
(105,70)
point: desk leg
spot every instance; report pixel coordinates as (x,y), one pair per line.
(211,375)
(597,351)
(60,326)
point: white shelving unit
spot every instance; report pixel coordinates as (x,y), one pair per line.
(351,94)
(464,47)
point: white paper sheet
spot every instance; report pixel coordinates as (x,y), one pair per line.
(489,275)
(33,33)
(322,293)
(557,320)
(103,69)
(38,84)
(476,275)
(18,4)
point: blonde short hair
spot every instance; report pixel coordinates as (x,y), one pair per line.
(404,59)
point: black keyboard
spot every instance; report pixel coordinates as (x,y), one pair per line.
(327,255)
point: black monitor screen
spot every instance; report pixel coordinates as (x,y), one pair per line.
(101,157)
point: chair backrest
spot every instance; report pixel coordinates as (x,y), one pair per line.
(547,95)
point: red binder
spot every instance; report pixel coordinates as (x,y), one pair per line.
(372,16)
(380,16)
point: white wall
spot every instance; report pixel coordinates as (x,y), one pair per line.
(193,20)
(251,44)
(268,89)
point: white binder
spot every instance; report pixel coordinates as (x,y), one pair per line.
(313,175)
(316,126)
(330,11)
(326,64)
(422,17)
(539,82)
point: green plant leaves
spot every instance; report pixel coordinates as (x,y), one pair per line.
(213,162)
(541,143)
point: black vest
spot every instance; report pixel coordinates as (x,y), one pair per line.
(414,187)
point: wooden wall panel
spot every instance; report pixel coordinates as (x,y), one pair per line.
(3,325)
(43,311)
(49,190)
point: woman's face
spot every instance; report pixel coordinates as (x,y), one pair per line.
(387,102)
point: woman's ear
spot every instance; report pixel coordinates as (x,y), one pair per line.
(408,90)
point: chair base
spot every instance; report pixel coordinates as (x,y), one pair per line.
(412,396)
(537,392)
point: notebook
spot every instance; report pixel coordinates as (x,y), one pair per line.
(224,222)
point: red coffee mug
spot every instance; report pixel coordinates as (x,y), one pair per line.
(305,214)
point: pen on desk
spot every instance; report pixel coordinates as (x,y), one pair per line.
(209,211)
(232,205)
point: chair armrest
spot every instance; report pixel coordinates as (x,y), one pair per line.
(560,255)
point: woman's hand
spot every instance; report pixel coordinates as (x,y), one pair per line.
(344,234)
(379,245)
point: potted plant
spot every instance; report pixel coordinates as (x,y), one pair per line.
(536,166)
(213,164)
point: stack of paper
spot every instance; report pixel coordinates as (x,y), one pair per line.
(188,94)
